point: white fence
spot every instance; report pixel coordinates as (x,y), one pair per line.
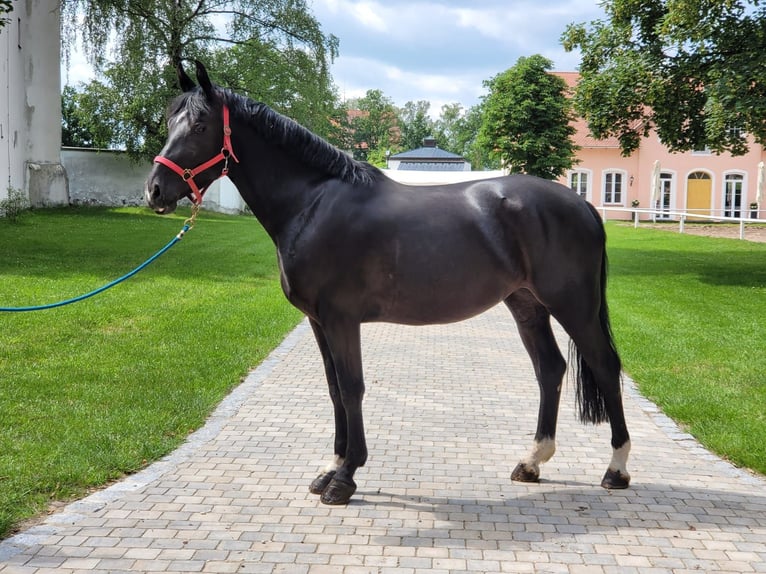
(680,217)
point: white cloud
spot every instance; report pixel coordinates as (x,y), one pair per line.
(487,22)
(369,15)
(402,85)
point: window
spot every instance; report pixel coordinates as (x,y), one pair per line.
(735,133)
(664,201)
(578,181)
(613,187)
(732,195)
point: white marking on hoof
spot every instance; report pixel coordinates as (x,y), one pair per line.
(542,451)
(334,465)
(619,461)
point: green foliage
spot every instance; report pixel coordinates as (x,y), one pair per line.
(14,206)
(457,131)
(296,84)
(374,127)
(691,69)
(686,313)
(272,49)
(98,389)
(6,7)
(81,122)
(526,123)
(415,124)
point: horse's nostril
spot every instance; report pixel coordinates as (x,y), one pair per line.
(156,193)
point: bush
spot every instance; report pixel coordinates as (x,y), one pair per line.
(14,206)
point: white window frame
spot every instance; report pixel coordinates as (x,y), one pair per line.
(588,182)
(623,186)
(744,202)
(671,178)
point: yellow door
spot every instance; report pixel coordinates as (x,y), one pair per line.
(698,188)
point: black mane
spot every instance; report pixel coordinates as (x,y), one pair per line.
(287,134)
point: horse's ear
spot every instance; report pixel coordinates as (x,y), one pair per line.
(204,79)
(186,83)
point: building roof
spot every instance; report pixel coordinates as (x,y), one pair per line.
(429,152)
(431,166)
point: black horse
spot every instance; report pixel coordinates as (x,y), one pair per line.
(354,246)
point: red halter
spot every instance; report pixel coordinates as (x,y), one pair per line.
(188,174)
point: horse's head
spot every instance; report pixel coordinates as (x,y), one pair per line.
(198,149)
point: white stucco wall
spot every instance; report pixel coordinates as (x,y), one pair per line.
(12,148)
(30,103)
(438,177)
(109,178)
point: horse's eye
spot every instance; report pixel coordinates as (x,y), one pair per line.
(198,128)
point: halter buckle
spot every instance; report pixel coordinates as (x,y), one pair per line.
(187,174)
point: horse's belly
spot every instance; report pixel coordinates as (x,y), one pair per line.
(448,303)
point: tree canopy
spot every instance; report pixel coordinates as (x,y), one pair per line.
(694,70)
(416,124)
(273,50)
(457,130)
(373,128)
(6,6)
(526,121)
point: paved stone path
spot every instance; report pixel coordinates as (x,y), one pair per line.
(449,411)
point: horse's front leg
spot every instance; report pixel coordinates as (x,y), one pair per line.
(341,425)
(341,349)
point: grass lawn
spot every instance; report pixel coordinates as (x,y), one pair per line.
(94,390)
(689,316)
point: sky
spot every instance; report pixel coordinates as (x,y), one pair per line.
(440,51)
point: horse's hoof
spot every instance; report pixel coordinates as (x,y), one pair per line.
(319,484)
(338,492)
(525,473)
(614,479)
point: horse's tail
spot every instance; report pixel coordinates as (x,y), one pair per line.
(591,404)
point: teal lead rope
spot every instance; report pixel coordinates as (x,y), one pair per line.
(188,224)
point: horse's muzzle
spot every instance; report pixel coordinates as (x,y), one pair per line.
(155,200)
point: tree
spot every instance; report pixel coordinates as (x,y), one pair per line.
(272,49)
(6,7)
(458,130)
(526,123)
(415,124)
(693,70)
(373,128)
(74,131)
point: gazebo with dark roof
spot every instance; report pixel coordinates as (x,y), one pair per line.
(428,158)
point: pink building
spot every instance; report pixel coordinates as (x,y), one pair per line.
(699,182)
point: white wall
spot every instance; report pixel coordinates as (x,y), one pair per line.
(103,177)
(12,148)
(30,103)
(438,177)
(110,178)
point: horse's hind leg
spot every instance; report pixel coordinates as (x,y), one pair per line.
(321,482)
(598,379)
(533,321)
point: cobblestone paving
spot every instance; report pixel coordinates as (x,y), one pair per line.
(449,411)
